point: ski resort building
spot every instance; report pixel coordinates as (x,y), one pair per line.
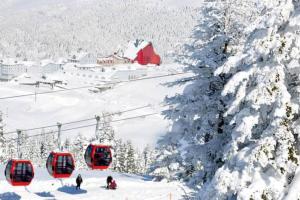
(112,60)
(49,66)
(82,58)
(142,51)
(11,68)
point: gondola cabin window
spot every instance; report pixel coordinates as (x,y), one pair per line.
(19,172)
(60,164)
(87,155)
(49,164)
(64,165)
(7,170)
(98,156)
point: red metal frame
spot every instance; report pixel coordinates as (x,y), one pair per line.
(55,157)
(94,147)
(13,166)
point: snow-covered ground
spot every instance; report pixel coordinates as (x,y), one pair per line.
(130,187)
(48,109)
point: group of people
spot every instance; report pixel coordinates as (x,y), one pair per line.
(110,183)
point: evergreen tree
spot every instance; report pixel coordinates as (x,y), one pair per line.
(106,134)
(130,166)
(78,148)
(147,156)
(67,144)
(122,158)
(116,163)
(263,111)
(2,142)
(194,149)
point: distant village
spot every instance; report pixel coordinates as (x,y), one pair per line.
(117,66)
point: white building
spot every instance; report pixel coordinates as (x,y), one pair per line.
(10,68)
(49,66)
(82,58)
(112,60)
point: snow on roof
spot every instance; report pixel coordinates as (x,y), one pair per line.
(86,66)
(134,47)
(46,62)
(110,57)
(105,58)
(118,57)
(61,60)
(78,55)
(28,63)
(10,61)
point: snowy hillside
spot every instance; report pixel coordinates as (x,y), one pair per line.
(50,29)
(75,105)
(93,186)
(223,119)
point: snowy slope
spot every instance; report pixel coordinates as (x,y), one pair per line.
(130,187)
(28,112)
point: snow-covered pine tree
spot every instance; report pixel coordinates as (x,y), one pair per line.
(263,108)
(140,163)
(193,150)
(67,145)
(42,151)
(32,152)
(147,158)
(45,144)
(130,166)
(122,158)
(24,145)
(78,148)
(3,153)
(116,163)
(11,150)
(106,133)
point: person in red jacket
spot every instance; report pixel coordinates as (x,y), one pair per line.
(113,185)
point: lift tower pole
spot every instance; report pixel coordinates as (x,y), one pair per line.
(59,136)
(19,132)
(97,127)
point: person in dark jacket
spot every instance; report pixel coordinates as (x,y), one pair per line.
(108,181)
(78,182)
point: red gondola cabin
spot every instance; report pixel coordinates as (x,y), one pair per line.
(98,156)
(60,165)
(19,172)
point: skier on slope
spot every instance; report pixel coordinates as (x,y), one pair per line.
(78,182)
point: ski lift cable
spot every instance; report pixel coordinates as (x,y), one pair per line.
(78,121)
(91,86)
(85,126)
